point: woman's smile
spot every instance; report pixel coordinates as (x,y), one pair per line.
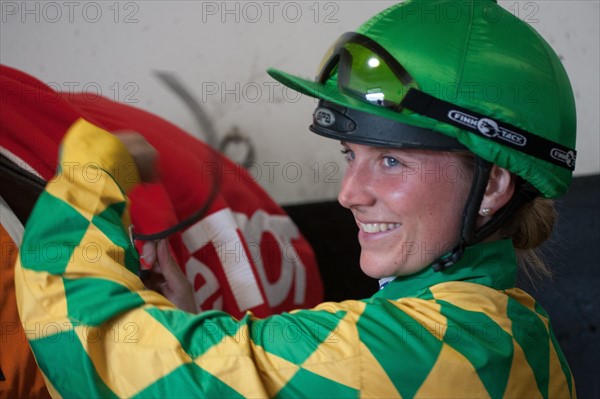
(377,227)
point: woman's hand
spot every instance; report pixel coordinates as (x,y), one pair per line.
(167,277)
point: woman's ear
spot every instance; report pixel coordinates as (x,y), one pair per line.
(499,190)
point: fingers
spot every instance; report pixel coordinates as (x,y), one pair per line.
(167,277)
(169,267)
(148,257)
(178,289)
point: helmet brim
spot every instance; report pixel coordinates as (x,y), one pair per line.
(329,92)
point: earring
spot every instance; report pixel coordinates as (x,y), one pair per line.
(485,211)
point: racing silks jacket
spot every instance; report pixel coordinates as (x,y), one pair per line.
(97,332)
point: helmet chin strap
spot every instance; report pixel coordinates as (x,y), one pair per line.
(470,235)
(481,176)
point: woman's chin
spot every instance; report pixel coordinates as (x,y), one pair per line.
(376,268)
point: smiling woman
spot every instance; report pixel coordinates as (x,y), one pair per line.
(439,185)
(407,205)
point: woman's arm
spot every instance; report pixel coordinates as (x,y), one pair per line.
(84,309)
(97,332)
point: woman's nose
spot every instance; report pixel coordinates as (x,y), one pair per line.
(356,188)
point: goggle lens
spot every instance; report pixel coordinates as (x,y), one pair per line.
(366,71)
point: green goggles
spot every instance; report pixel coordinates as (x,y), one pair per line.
(366,71)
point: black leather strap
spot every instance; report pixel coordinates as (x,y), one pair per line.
(484,126)
(19,188)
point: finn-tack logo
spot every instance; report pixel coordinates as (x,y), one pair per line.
(487,127)
(567,157)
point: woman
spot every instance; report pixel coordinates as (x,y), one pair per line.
(441,179)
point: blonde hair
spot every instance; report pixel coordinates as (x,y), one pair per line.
(529,227)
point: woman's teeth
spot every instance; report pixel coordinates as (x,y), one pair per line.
(378,227)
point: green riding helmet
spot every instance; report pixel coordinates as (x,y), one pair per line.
(467,69)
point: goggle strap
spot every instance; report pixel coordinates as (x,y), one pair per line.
(483,126)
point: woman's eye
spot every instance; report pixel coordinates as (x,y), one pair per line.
(348,154)
(391,162)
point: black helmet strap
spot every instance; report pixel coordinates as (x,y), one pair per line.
(468,229)
(489,128)
(481,178)
(470,235)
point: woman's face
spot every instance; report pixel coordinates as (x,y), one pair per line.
(407,203)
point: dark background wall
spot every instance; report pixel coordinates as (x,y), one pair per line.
(571,298)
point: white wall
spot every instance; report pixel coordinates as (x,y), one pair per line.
(220,51)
